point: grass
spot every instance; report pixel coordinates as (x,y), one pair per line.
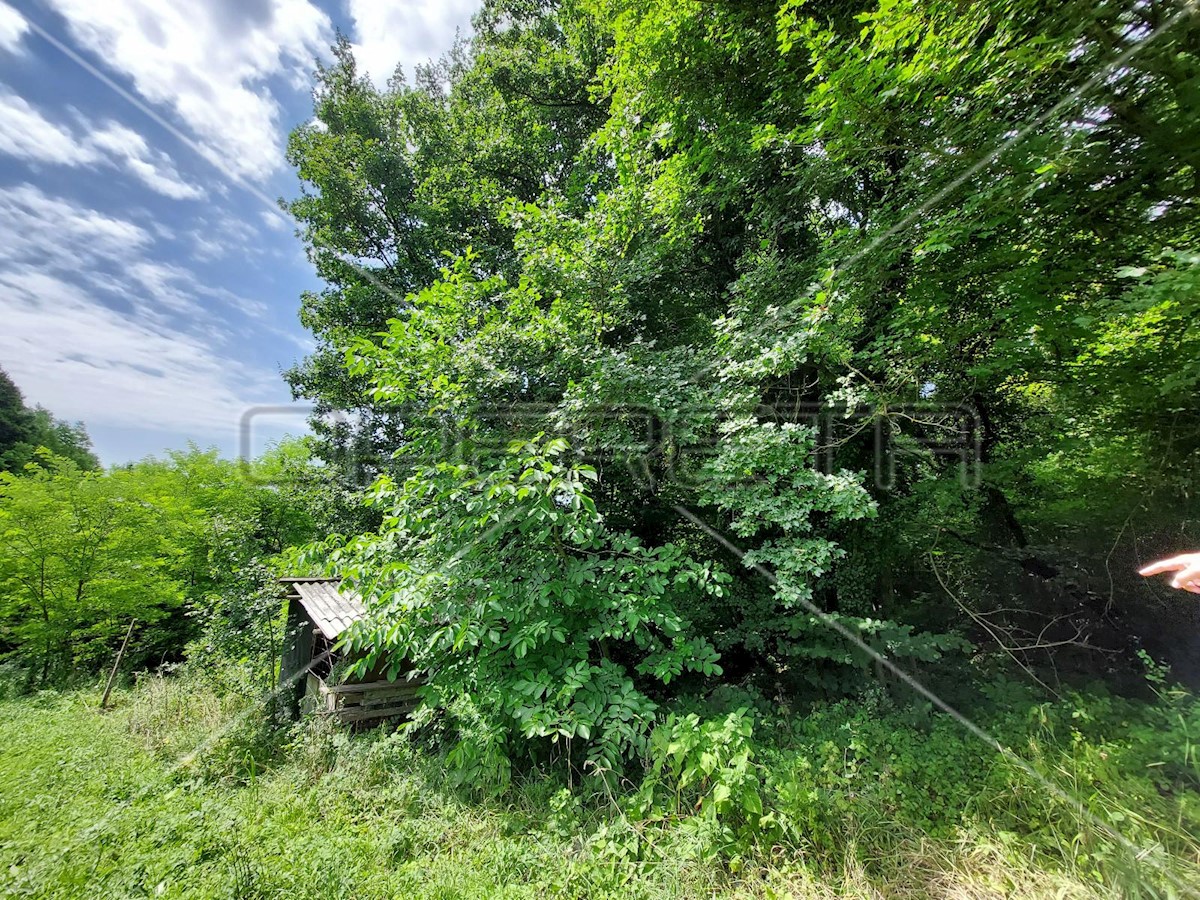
(119,805)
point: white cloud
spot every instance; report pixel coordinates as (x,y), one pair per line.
(209,62)
(27,134)
(176,289)
(405,34)
(152,167)
(96,330)
(276,219)
(222,235)
(12,27)
(86,361)
(110,255)
(34,224)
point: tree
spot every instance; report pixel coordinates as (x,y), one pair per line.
(797,237)
(24,430)
(16,423)
(81,553)
(1015,186)
(254,513)
(395,182)
(189,546)
(614,315)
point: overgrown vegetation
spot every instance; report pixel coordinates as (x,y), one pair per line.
(862,799)
(756,413)
(874,309)
(183,547)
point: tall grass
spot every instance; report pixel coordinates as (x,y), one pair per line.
(867,803)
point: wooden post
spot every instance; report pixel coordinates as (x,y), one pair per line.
(112,676)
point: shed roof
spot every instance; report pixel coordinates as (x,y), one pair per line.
(331,609)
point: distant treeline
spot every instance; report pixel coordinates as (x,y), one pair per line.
(23,430)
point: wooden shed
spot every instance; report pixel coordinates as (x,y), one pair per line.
(318,613)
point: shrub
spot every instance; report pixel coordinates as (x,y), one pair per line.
(704,771)
(540,627)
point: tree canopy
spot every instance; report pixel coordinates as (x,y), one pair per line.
(882,308)
(184,546)
(24,430)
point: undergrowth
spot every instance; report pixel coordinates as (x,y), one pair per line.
(178,792)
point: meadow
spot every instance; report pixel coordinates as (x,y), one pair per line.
(180,792)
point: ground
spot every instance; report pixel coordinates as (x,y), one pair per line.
(168,795)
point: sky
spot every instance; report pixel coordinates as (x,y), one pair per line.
(149,284)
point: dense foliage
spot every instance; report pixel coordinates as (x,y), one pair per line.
(507,584)
(750,414)
(23,431)
(183,547)
(882,309)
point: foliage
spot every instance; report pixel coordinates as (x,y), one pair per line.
(395,180)
(183,546)
(899,233)
(23,431)
(253,512)
(707,767)
(81,554)
(864,800)
(592,314)
(541,624)
(763,478)
(624,304)
(926,770)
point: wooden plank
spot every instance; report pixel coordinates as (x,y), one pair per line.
(377,697)
(365,713)
(388,699)
(314,698)
(369,686)
(295,659)
(353,702)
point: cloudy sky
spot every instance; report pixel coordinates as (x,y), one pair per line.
(148,284)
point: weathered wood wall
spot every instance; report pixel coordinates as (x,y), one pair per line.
(297,655)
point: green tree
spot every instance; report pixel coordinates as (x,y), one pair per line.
(395,181)
(16,423)
(861,212)
(23,430)
(253,512)
(634,304)
(81,554)
(187,545)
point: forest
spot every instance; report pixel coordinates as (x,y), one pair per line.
(749,416)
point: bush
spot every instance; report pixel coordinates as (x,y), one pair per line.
(547,631)
(704,772)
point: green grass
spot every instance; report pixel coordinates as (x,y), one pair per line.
(91,806)
(119,805)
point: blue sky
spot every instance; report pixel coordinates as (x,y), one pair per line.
(148,285)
